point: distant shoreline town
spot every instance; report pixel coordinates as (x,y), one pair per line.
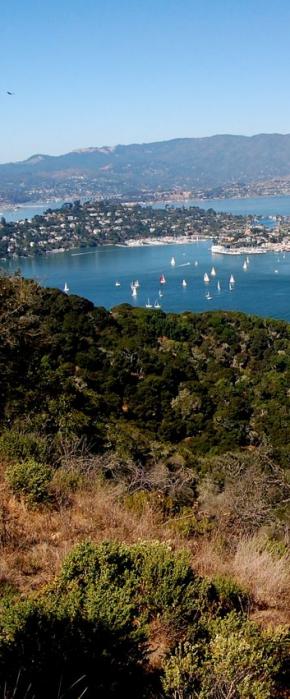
(238,190)
(99,223)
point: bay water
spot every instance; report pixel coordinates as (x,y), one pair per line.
(263,289)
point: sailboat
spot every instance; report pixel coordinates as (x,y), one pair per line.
(213,272)
(134,291)
(247,260)
(184,282)
(218,286)
(245,266)
(66,288)
(172,262)
(148,304)
(135,285)
(117,283)
(206,278)
(232,279)
(208,296)
(160,294)
(162,279)
(157,304)
(196,263)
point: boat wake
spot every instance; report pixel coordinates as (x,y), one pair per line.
(77,254)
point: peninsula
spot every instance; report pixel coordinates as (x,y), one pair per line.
(93,224)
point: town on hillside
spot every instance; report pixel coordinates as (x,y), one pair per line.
(97,223)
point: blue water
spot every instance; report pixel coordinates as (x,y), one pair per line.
(28,211)
(258,206)
(92,274)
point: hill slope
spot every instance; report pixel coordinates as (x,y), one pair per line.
(185,162)
(115,435)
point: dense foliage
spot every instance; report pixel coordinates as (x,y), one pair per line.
(211,382)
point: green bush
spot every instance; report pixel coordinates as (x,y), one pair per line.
(89,630)
(230,596)
(181,678)
(18,446)
(143,580)
(30,478)
(242,660)
(238,660)
(63,484)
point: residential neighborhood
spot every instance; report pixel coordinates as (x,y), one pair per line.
(96,223)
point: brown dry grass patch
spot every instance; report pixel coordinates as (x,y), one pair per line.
(34,541)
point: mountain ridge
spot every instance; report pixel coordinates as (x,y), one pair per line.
(183,163)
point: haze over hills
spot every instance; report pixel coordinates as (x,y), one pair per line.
(186,163)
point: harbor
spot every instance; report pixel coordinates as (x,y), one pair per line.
(178,277)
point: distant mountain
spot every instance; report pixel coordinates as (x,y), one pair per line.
(189,163)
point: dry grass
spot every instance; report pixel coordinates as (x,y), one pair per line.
(35,541)
(264,573)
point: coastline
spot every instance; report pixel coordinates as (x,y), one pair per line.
(167,240)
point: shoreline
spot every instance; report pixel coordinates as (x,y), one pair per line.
(160,242)
(167,240)
(150,202)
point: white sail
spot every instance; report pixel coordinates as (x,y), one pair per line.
(213,272)
(196,263)
(172,261)
(184,282)
(148,304)
(232,279)
(245,266)
(157,304)
(66,288)
(206,278)
(160,293)
(134,291)
(117,283)
(218,286)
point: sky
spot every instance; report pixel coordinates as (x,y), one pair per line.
(102,72)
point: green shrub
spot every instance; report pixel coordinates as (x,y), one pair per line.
(63,484)
(241,660)
(230,595)
(237,660)
(91,627)
(30,478)
(18,446)
(189,525)
(181,678)
(144,580)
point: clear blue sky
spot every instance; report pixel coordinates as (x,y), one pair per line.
(95,72)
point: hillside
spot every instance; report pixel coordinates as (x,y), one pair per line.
(144,501)
(186,163)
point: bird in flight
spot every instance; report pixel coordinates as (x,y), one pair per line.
(9,93)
